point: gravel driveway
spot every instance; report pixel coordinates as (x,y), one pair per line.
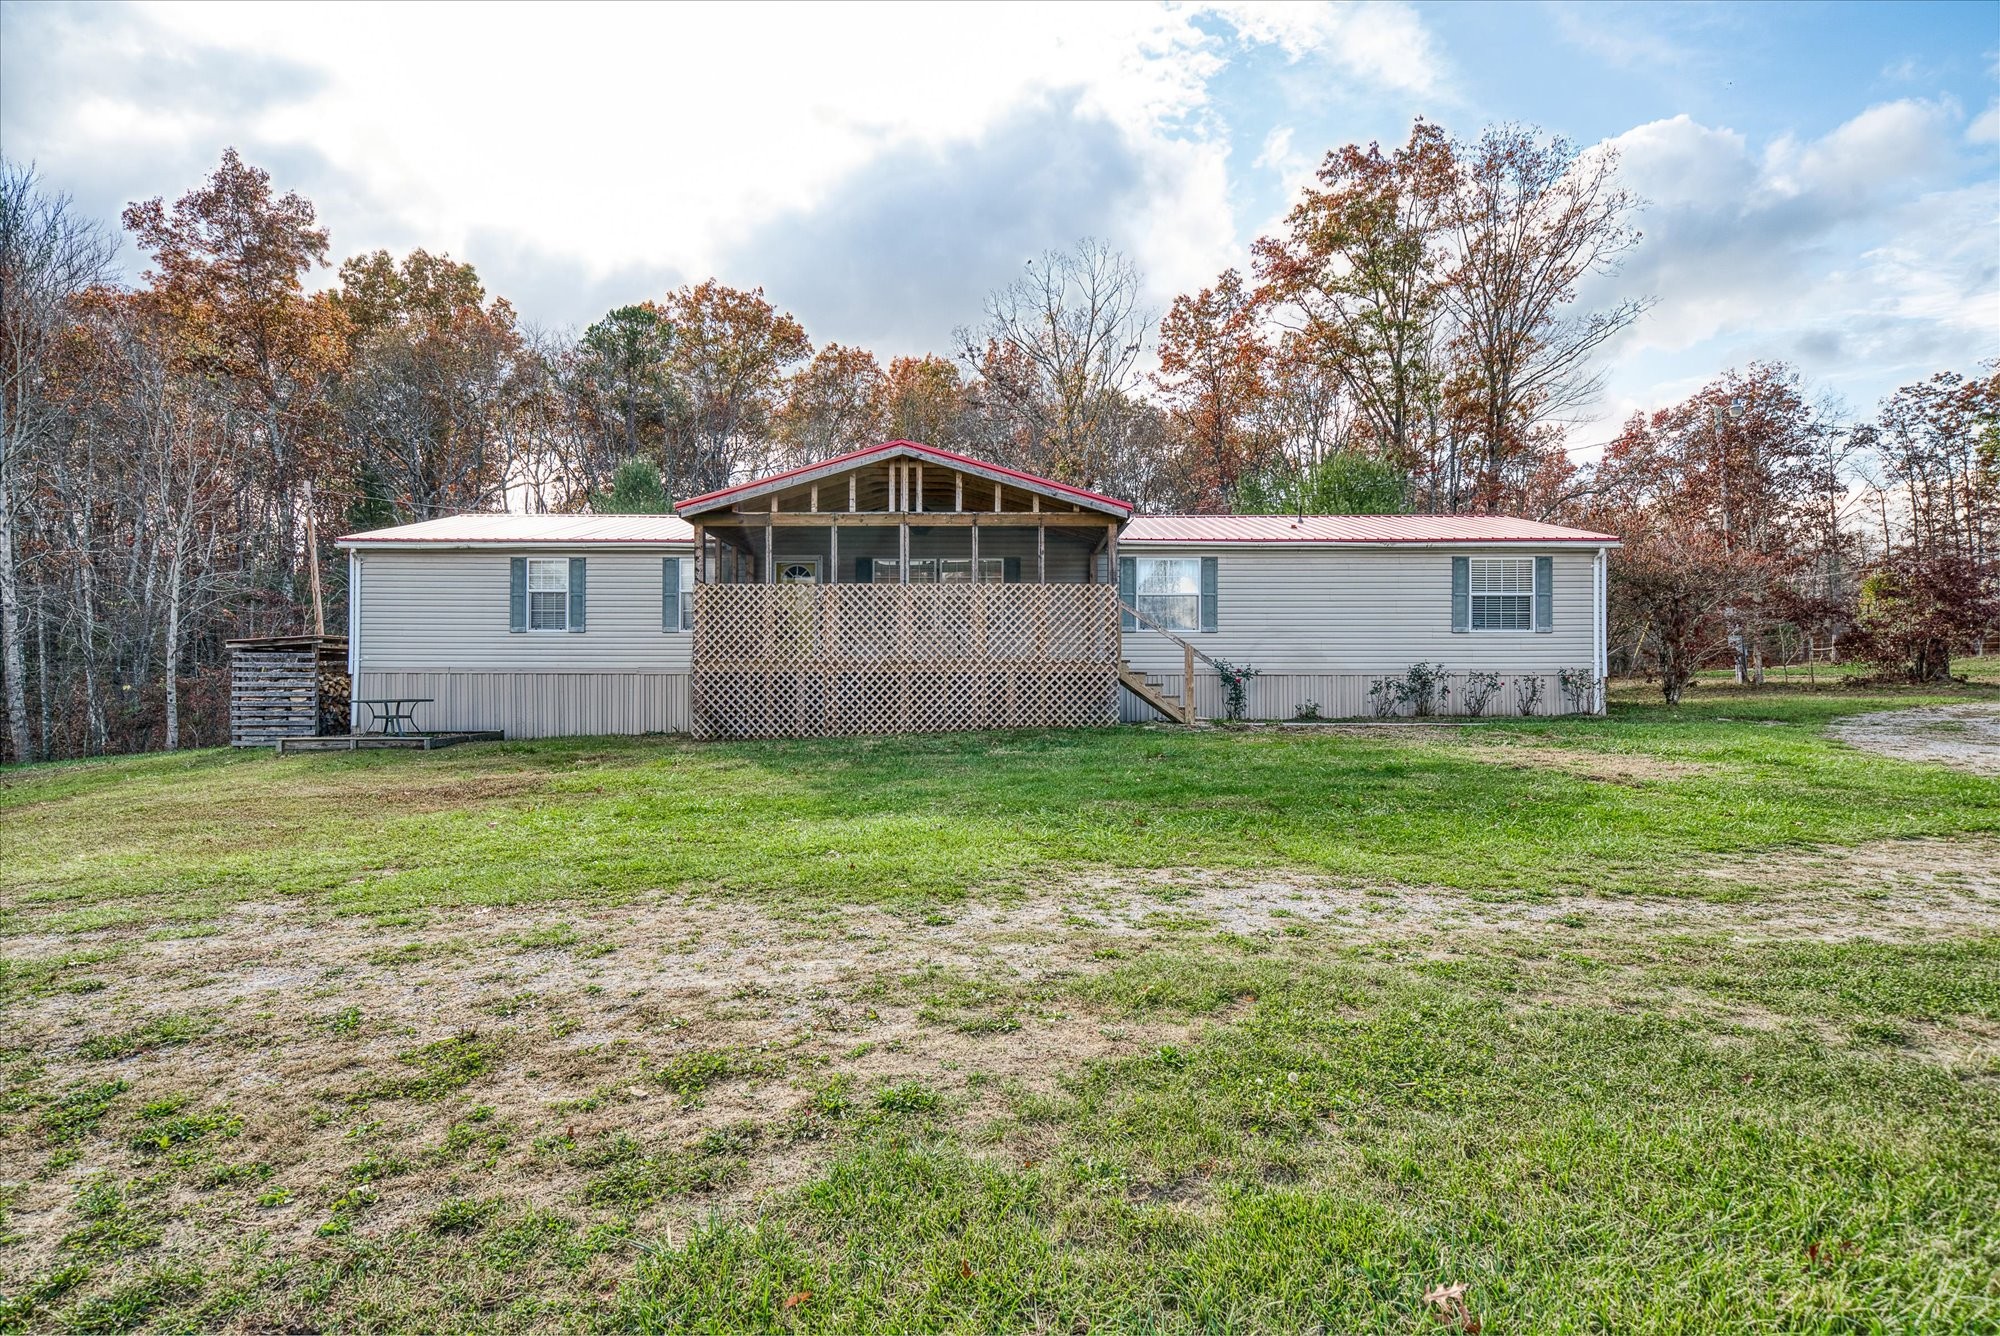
(1966,736)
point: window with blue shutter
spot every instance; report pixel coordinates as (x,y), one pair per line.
(548,594)
(677,593)
(1500,592)
(576,590)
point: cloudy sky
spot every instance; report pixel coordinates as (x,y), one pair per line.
(1823,181)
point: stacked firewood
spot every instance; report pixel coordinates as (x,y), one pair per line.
(336,691)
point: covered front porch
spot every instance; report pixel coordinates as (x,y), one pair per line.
(903,589)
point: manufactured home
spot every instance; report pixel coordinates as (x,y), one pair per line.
(907,588)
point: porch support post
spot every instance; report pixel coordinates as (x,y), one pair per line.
(903,548)
(1041,554)
(770,554)
(833,553)
(975,549)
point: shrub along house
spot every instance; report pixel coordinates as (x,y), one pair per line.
(906,588)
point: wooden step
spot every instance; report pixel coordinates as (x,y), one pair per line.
(1147,690)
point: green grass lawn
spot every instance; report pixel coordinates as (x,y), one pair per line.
(1508,806)
(1683,1020)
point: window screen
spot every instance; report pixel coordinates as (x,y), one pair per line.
(1502,591)
(548,594)
(1169,591)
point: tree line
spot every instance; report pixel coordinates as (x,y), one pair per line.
(1415,337)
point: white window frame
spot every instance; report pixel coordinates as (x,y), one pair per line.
(1509,594)
(687,594)
(1151,604)
(543,565)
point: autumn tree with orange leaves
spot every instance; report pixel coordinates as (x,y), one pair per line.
(434,369)
(229,262)
(837,402)
(1437,284)
(731,354)
(1215,378)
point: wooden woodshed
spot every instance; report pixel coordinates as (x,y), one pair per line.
(287,687)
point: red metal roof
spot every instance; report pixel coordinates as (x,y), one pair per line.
(490,530)
(1354,529)
(917,449)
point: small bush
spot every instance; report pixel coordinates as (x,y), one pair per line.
(1480,688)
(1528,694)
(1235,687)
(1579,689)
(1421,692)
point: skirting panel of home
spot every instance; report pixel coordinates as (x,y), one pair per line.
(538,704)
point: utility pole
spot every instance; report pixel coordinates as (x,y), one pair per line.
(312,562)
(1738,639)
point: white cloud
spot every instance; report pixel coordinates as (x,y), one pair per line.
(1858,255)
(1385,45)
(1277,153)
(1865,158)
(616,140)
(1985,127)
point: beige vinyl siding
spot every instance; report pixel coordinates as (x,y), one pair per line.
(448,611)
(1369,611)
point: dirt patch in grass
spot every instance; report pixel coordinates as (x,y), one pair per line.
(575,1063)
(1964,736)
(1521,753)
(1891,890)
(312,1080)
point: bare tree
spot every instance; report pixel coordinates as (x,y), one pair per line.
(49,256)
(1057,355)
(1530,218)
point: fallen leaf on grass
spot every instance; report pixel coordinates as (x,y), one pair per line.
(795,1300)
(1448,1303)
(965,1268)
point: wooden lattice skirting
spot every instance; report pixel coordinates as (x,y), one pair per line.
(833,660)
